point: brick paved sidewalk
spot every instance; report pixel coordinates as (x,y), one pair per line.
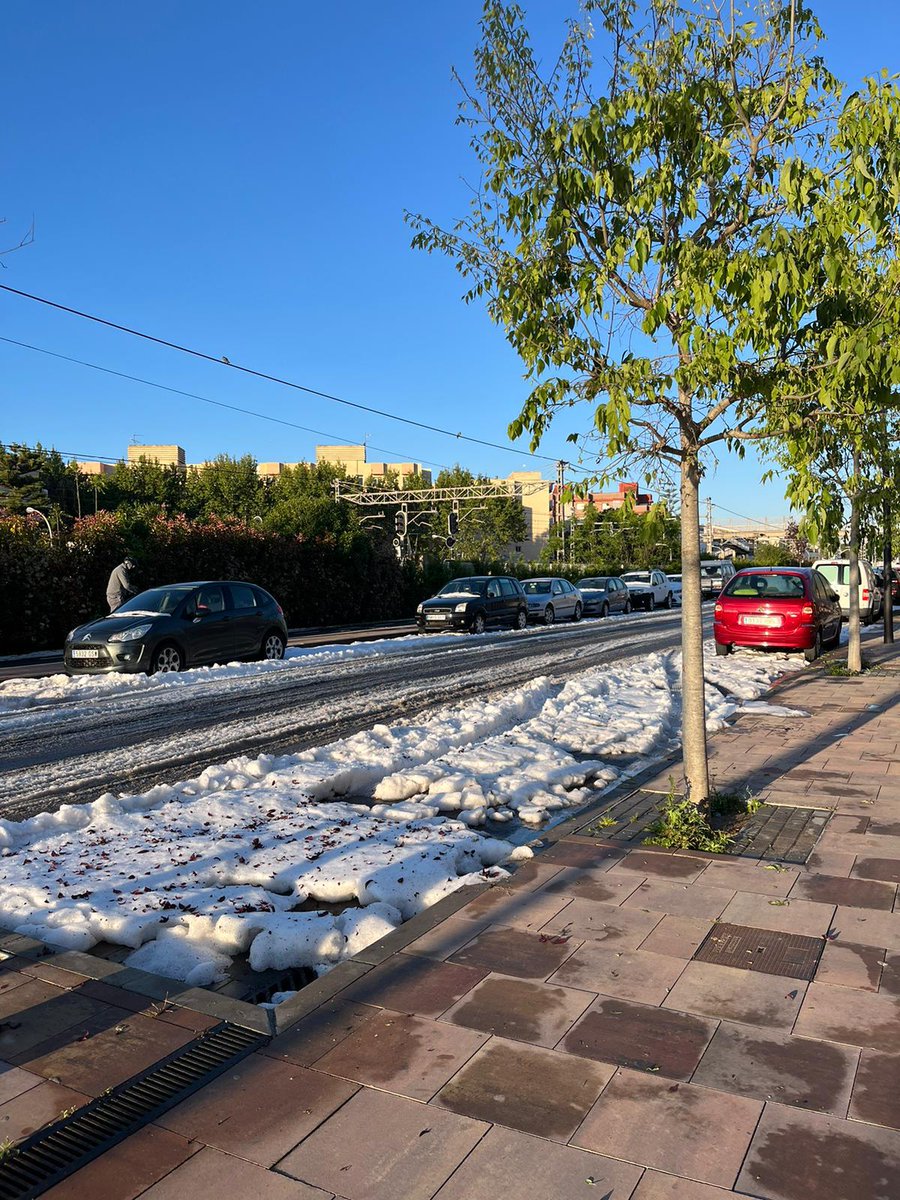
(553,1037)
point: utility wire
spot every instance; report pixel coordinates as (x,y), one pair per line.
(206,399)
(223,361)
(732,513)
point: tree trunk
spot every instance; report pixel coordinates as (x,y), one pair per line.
(887,549)
(693,715)
(854,648)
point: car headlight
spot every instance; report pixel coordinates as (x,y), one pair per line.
(421,608)
(462,607)
(70,634)
(132,634)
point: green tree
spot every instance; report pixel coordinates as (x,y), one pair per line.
(653,245)
(143,484)
(226,487)
(770,554)
(486,528)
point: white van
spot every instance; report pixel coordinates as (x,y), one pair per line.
(837,572)
(714,574)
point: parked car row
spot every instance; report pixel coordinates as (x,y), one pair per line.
(479,602)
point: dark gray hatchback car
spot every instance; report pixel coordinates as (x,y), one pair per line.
(178,626)
(475,603)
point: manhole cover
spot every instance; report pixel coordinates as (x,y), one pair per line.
(763,950)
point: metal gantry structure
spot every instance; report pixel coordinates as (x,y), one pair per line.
(414,506)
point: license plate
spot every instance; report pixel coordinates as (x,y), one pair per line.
(768,622)
(93,653)
(435,617)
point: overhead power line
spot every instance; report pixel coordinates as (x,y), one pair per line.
(205,399)
(221,360)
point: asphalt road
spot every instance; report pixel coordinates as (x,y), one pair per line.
(74,751)
(39,667)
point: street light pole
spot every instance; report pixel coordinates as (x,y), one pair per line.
(36,512)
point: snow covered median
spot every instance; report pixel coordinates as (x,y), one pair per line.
(377,826)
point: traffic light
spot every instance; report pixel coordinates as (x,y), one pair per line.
(400,522)
(449,542)
(452,525)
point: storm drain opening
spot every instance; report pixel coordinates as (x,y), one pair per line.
(55,1152)
(765,950)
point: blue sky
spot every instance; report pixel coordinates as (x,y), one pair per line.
(233,177)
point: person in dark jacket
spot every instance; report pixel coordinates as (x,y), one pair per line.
(121,586)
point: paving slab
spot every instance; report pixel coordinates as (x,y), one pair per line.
(212,1174)
(592,885)
(516,952)
(786,916)
(641,1037)
(38,1106)
(654,1186)
(679,937)
(399,1053)
(631,974)
(667,1126)
(662,864)
(409,1149)
(766,1065)
(37,1011)
(798,1155)
(731,994)
(620,927)
(855,893)
(321,1031)
(260,1109)
(686,900)
(506,1162)
(851,1016)
(520,1009)
(526,1088)
(847,965)
(876,1092)
(522,909)
(768,879)
(886,870)
(868,926)
(570,853)
(128,1169)
(14,1081)
(411,984)
(110,1056)
(445,938)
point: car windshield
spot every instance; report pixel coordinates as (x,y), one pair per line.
(463,587)
(156,600)
(599,584)
(533,587)
(766,587)
(637,577)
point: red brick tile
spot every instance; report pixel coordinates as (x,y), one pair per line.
(732,994)
(789,916)
(128,1169)
(620,927)
(211,1175)
(408,1151)
(632,974)
(640,1037)
(667,1126)
(798,1155)
(679,937)
(520,1009)
(526,1087)
(411,984)
(876,1095)
(39,1106)
(847,965)
(857,1018)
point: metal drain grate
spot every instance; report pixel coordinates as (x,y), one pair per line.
(55,1152)
(763,950)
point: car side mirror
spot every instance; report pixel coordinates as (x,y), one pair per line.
(834,595)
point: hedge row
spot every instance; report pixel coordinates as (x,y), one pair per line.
(47,588)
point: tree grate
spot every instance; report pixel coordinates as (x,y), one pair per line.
(765,950)
(55,1152)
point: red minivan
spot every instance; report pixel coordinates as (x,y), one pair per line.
(778,608)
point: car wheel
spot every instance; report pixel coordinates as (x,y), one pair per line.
(670,602)
(478,623)
(577,614)
(627,609)
(166,659)
(604,611)
(273,646)
(648,605)
(521,619)
(549,615)
(723,648)
(815,650)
